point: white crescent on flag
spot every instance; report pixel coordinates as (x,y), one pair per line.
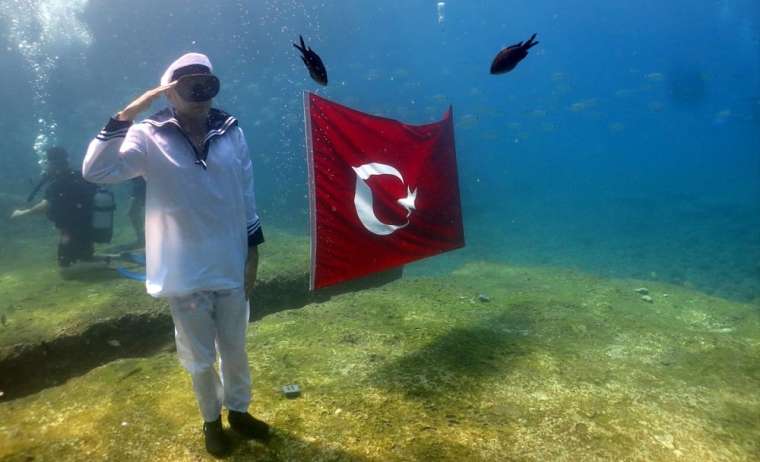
(363,199)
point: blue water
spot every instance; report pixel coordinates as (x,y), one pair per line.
(626,144)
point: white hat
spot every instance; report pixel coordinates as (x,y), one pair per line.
(187,59)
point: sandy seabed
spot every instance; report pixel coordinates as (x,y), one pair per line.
(488,363)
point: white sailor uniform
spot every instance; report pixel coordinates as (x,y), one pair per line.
(200,219)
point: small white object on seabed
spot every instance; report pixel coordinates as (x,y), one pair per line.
(647,298)
(291,391)
(441,8)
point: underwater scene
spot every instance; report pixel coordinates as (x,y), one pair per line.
(604,306)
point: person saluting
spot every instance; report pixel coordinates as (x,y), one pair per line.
(201,231)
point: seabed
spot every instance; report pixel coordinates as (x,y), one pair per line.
(548,364)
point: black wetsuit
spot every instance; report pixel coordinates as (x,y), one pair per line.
(70,205)
(138,190)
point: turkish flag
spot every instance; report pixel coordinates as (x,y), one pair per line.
(383,193)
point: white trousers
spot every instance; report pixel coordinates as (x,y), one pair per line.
(205,323)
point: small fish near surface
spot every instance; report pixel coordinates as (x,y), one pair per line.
(509,57)
(313,63)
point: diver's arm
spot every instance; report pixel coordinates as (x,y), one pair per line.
(118,153)
(38,209)
(251,270)
(142,103)
(253,223)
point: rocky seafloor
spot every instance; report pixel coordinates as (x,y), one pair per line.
(488,363)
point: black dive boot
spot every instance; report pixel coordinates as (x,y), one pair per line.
(248,426)
(217,442)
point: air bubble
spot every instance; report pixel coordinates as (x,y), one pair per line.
(36,29)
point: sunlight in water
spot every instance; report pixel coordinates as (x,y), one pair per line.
(39,30)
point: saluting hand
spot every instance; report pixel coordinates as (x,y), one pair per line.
(142,103)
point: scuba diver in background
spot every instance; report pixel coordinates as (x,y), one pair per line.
(81,211)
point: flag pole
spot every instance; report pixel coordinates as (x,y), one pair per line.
(312,190)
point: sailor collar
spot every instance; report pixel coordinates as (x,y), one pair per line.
(218,123)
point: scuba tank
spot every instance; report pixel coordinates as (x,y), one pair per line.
(102,215)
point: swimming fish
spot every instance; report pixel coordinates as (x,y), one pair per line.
(313,63)
(507,59)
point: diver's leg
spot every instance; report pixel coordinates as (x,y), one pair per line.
(65,250)
(64,256)
(88,246)
(76,255)
(75,245)
(194,332)
(231,323)
(137,219)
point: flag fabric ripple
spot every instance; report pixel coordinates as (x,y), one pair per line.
(382,193)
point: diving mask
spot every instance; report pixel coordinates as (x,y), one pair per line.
(197,88)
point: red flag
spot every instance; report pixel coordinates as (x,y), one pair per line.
(382,193)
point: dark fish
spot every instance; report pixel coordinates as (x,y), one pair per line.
(313,62)
(507,59)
